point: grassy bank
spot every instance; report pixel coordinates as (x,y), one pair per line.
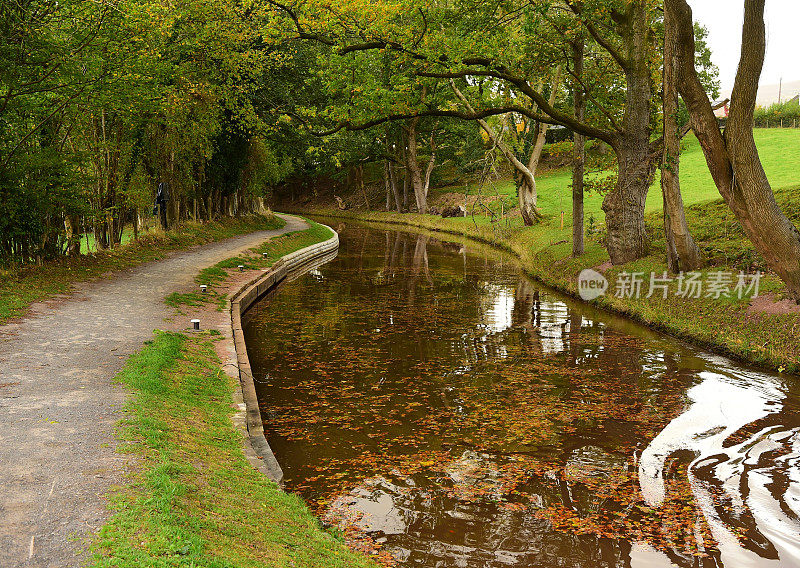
(22,286)
(726,325)
(194,500)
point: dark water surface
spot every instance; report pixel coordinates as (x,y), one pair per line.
(442,410)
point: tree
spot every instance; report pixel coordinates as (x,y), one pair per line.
(46,66)
(100,103)
(682,252)
(578,147)
(732,156)
(418,177)
(465,44)
(528,144)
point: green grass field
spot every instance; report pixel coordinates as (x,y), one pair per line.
(779,150)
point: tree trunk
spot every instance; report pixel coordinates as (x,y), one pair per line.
(682,252)
(391,185)
(578,151)
(732,158)
(431,163)
(73,235)
(414,171)
(360,173)
(624,205)
(524,174)
(406,183)
(673,259)
(387,183)
(526,194)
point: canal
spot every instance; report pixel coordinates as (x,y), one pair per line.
(437,408)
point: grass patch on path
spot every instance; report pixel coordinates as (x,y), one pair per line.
(194,500)
(22,286)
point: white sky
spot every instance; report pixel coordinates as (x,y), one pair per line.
(723,18)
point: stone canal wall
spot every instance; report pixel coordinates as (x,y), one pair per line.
(287,268)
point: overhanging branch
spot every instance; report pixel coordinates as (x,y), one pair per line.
(551,115)
(471,116)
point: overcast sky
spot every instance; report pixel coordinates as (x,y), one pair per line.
(723,18)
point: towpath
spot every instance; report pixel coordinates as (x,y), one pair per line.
(59,405)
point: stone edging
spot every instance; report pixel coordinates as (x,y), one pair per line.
(287,267)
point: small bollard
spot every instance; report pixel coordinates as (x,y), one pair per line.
(203,288)
(196,325)
(241,268)
(265,254)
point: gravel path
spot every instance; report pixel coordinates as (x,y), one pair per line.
(58,406)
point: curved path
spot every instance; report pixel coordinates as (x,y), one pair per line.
(58,406)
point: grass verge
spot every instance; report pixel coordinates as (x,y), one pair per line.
(22,286)
(194,500)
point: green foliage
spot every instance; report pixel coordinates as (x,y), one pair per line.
(786,114)
(100,103)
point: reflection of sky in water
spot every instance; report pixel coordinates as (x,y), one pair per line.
(498,307)
(745,474)
(720,405)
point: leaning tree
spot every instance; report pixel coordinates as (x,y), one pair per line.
(732,156)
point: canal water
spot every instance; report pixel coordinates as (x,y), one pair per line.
(437,408)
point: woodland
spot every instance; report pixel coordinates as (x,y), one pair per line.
(118,116)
